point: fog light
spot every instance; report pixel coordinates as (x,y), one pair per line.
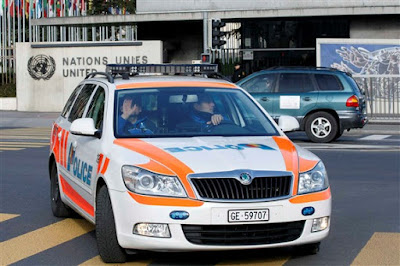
(320,224)
(154,230)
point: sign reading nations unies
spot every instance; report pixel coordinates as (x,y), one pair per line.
(47,73)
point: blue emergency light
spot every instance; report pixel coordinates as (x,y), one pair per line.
(126,70)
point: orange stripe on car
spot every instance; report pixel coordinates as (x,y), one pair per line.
(62,147)
(175,84)
(306,165)
(55,142)
(99,164)
(65,149)
(160,156)
(318,196)
(290,157)
(70,192)
(164,201)
(105,166)
(156,167)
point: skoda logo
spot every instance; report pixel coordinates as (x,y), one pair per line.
(41,67)
(245,178)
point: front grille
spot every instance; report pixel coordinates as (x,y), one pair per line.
(232,189)
(244,234)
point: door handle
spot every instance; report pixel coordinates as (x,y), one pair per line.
(307,99)
(265,99)
(74,144)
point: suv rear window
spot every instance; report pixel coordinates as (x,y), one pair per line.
(328,82)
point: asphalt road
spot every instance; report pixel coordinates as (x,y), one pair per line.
(364,172)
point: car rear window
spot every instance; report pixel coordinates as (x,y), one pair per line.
(328,82)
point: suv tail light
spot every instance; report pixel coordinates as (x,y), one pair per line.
(352,102)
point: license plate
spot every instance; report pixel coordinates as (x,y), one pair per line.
(235,216)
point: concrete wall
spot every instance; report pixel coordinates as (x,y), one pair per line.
(182,41)
(39,90)
(375,28)
(154,6)
(8,103)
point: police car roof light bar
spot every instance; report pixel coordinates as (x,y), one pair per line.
(108,76)
(165,69)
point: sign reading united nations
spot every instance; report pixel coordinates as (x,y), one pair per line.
(47,73)
(41,67)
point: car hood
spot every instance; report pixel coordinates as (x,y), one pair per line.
(211,154)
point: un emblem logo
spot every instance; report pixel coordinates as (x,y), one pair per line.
(41,67)
(245,178)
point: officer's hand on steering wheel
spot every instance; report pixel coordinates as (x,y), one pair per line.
(215,120)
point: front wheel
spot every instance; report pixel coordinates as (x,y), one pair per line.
(57,206)
(321,127)
(106,234)
(308,249)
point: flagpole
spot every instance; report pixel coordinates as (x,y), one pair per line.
(23,19)
(18,21)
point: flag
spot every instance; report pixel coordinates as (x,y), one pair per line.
(19,7)
(44,7)
(70,8)
(83,8)
(58,9)
(1,7)
(51,11)
(11,7)
(38,8)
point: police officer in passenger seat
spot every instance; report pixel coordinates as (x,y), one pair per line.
(129,122)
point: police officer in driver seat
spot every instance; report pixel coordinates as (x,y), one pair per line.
(203,112)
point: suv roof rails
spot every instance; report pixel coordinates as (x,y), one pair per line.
(302,67)
(130,70)
(107,75)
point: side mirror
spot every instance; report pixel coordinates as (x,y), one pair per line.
(288,123)
(84,127)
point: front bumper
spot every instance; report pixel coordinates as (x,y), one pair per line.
(128,212)
(352,119)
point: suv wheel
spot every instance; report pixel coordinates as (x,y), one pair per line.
(57,206)
(339,134)
(321,127)
(107,242)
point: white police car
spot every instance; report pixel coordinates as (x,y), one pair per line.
(183,163)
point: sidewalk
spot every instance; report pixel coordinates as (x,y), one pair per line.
(10,119)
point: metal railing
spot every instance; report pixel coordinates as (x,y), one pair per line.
(382,94)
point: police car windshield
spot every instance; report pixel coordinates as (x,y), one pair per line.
(186,112)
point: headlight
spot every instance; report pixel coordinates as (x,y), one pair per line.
(314,180)
(144,182)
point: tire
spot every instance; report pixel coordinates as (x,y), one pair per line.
(308,249)
(321,127)
(57,206)
(107,242)
(339,134)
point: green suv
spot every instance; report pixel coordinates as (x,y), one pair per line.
(325,101)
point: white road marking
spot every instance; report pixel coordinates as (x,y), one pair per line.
(375,137)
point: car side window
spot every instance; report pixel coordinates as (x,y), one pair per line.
(328,82)
(260,84)
(295,83)
(96,108)
(79,106)
(70,101)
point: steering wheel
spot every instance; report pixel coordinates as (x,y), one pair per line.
(226,126)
